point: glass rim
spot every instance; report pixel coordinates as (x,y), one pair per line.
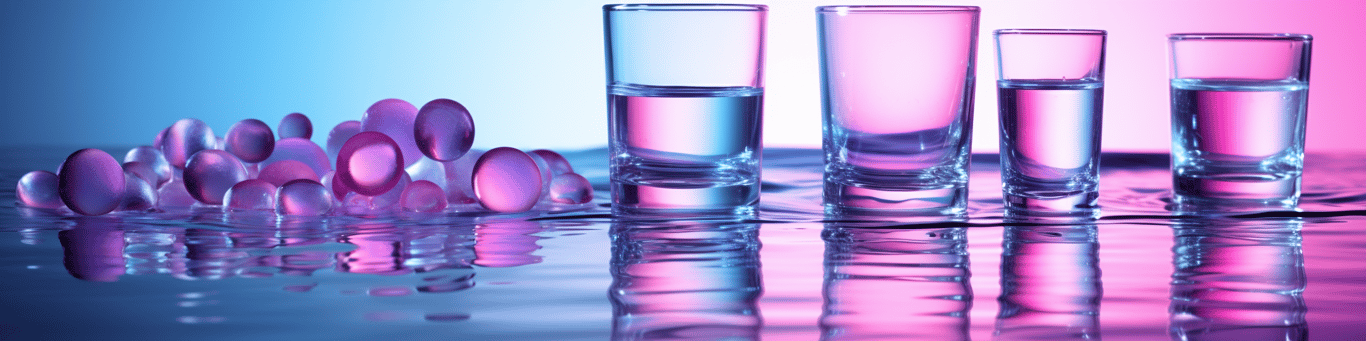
(686,7)
(1240,36)
(1050,31)
(896,9)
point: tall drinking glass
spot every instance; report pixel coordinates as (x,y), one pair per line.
(1238,116)
(685,98)
(1050,84)
(897,90)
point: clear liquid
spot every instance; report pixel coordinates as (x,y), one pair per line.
(1238,140)
(1050,140)
(685,149)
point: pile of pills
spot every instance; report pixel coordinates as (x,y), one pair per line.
(396,158)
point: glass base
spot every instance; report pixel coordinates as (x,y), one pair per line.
(843,199)
(1074,204)
(1234,194)
(636,200)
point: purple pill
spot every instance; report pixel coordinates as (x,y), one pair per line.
(210,173)
(142,171)
(250,140)
(443,130)
(507,180)
(303,198)
(558,164)
(279,172)
(570,188)
(302,150)
(138,195)
(184,138)
(339,191)
(459,178)
(39,189)
(342,132)
(296,125)
(91,182)
(394,118)
(160,140)
(253,195)
(423,196)
(370,163)
(173,195)
(155,159)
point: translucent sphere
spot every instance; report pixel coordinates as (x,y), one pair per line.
(460,179)
(360,204)
(39,189)
(296,125)
(142,171)
(443,130)
(210,173)
(138,195)
(279,172)
(342,132)
(339,190)
(155,159)
(91,182)
(184,138)
(370,163)
(570,188)
(558,164)
(252,194)
(546,174)
(173,195)
(507,180)
(160,140)
(250,140)
(428,169)
(302,150)
(394,117)
(423,196)
(303,198)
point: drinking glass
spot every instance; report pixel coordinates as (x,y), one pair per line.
(1050,85)
(685,98)
(1238,115)
(897,93)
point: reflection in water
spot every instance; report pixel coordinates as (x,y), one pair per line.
(1050,284)
(1238,281)
(506,243)
(93,249)
(895,284)
(685,281)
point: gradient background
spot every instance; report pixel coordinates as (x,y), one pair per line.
(114,73)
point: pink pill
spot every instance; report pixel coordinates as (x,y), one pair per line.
(507,180)
(558,164)
(370,163)
(459,178)
(138,195)
(250,140)
(423,196)
(394,118)
(210,173)
(443,130)
(279,172)
(359,204)
(184,138)
(570,188)
(39,189)
(252,194)
(142,171)
(338,136)
(153,158)
(173,195)
(303,198)
(91,182)
(296,125)
(302,150)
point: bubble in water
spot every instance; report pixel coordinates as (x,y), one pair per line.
(570,188)
(342,132)
(250,140)
(459,178)
(252,194)
(303,198)
(423,196)
(91,182)
(155,159)
(138,195)
(394,118)
(210,173)
(507,180)
(296,125)
(184,138)
(279,172)
(370,163)
(302,150)
(142,171)
(39,189)
(173,195)
(558,164)
(443,130)
(360,204)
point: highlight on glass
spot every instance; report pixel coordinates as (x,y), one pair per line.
(685,97)
(1239,102)
(897,94)
(1050,85)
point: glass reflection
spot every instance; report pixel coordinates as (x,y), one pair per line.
(895,284)
(691,280)
(1238,280)
(1050,284)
